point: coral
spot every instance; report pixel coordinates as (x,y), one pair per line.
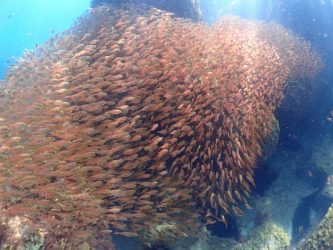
(135,119)
(322,237)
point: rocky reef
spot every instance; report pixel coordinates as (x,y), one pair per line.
(138,123)
(267,236)
(322,157)
(322,237)
(15,233)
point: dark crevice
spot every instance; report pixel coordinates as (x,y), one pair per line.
(301,223)
(264,176)
(219,229)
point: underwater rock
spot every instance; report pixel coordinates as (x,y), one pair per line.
(204,240)
(15,233)
(322,157)
(322,237)
(328,188)
(283,196)
(317,166)
(267,237)
(304,216)
(181,8)
(137,123)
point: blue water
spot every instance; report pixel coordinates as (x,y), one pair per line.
(25,23)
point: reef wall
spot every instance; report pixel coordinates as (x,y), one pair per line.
(181,8)
(138,123)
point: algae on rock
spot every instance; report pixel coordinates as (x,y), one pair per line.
(322,237)
(267,237)
(15,233)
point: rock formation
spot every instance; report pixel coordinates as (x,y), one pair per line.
(322,237)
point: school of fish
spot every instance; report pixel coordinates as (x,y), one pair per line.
(137,123)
